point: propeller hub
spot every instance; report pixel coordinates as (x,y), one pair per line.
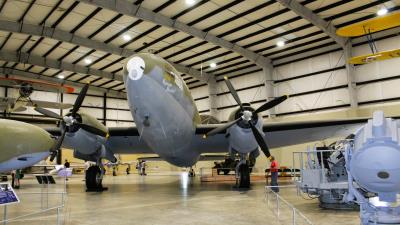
(247,115)
(69,120)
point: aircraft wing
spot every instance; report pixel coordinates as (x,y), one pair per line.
(4,102)
(51,105)
(279,134)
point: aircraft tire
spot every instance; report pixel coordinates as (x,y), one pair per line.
(244,180)
(92,180)
(226,171)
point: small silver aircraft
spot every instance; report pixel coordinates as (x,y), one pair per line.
(168,124)
(26,88)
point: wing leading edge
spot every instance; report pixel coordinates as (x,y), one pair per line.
(279,134)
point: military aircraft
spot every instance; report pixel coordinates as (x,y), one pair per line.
(22,145)
(168,124)
(26,88)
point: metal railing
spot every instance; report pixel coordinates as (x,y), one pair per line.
(284,212)
(50,201)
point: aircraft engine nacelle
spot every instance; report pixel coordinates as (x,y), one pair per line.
(88,146)
(375,159)
(242,140)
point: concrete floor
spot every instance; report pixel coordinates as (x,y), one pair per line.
(165,199)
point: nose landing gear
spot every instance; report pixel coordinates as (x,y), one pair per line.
(243,174)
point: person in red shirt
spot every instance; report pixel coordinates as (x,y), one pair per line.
(274,174)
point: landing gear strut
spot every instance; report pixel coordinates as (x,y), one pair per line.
(94,179)
(243,174)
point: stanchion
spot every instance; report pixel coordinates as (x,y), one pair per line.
(58,216)
(5,215)
(294,216)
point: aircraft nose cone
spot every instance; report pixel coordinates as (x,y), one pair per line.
(135,67)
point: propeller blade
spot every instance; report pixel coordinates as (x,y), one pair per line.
(260,140)
(271,104)
(53,155)
(48,113)
(60,140)
(79,100)
(57,146)
(91,129)
(222,128)
(233,92)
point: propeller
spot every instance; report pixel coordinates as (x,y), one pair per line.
(247,116)
(70,120)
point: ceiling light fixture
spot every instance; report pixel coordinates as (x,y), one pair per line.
(88,61)
(60,76)
(213,65)
(190,2)
(280,43)
(382,11)
(126,37)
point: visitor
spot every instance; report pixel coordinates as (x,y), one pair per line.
(274,174)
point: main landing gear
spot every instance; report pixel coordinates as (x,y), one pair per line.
(94,179)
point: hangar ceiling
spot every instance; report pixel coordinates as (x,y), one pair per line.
(82,41)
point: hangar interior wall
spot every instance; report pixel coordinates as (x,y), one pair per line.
(316,84)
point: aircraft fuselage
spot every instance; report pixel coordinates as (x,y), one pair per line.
(162,107)
(166,115)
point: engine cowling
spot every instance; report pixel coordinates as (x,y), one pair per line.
(86,145)
(375,161)
(241,138)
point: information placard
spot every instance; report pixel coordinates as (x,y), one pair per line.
(7,194)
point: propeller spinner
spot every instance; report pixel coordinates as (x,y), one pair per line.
(71,119)
(247,117)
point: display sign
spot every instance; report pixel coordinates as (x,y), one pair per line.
(66,172)
(7,194)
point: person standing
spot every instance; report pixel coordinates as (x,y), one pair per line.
(13,178)
(274,174)
(138,165)
(143,168)
(18,176)
(128,169)
(67,164)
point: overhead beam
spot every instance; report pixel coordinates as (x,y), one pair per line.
(23,57)
(65,36)
(127,8)
(316,20)
(11,71)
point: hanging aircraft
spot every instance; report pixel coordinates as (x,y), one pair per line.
(367,28)
(25,89)
(168,124)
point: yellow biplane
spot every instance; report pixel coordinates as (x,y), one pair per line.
(367,28)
